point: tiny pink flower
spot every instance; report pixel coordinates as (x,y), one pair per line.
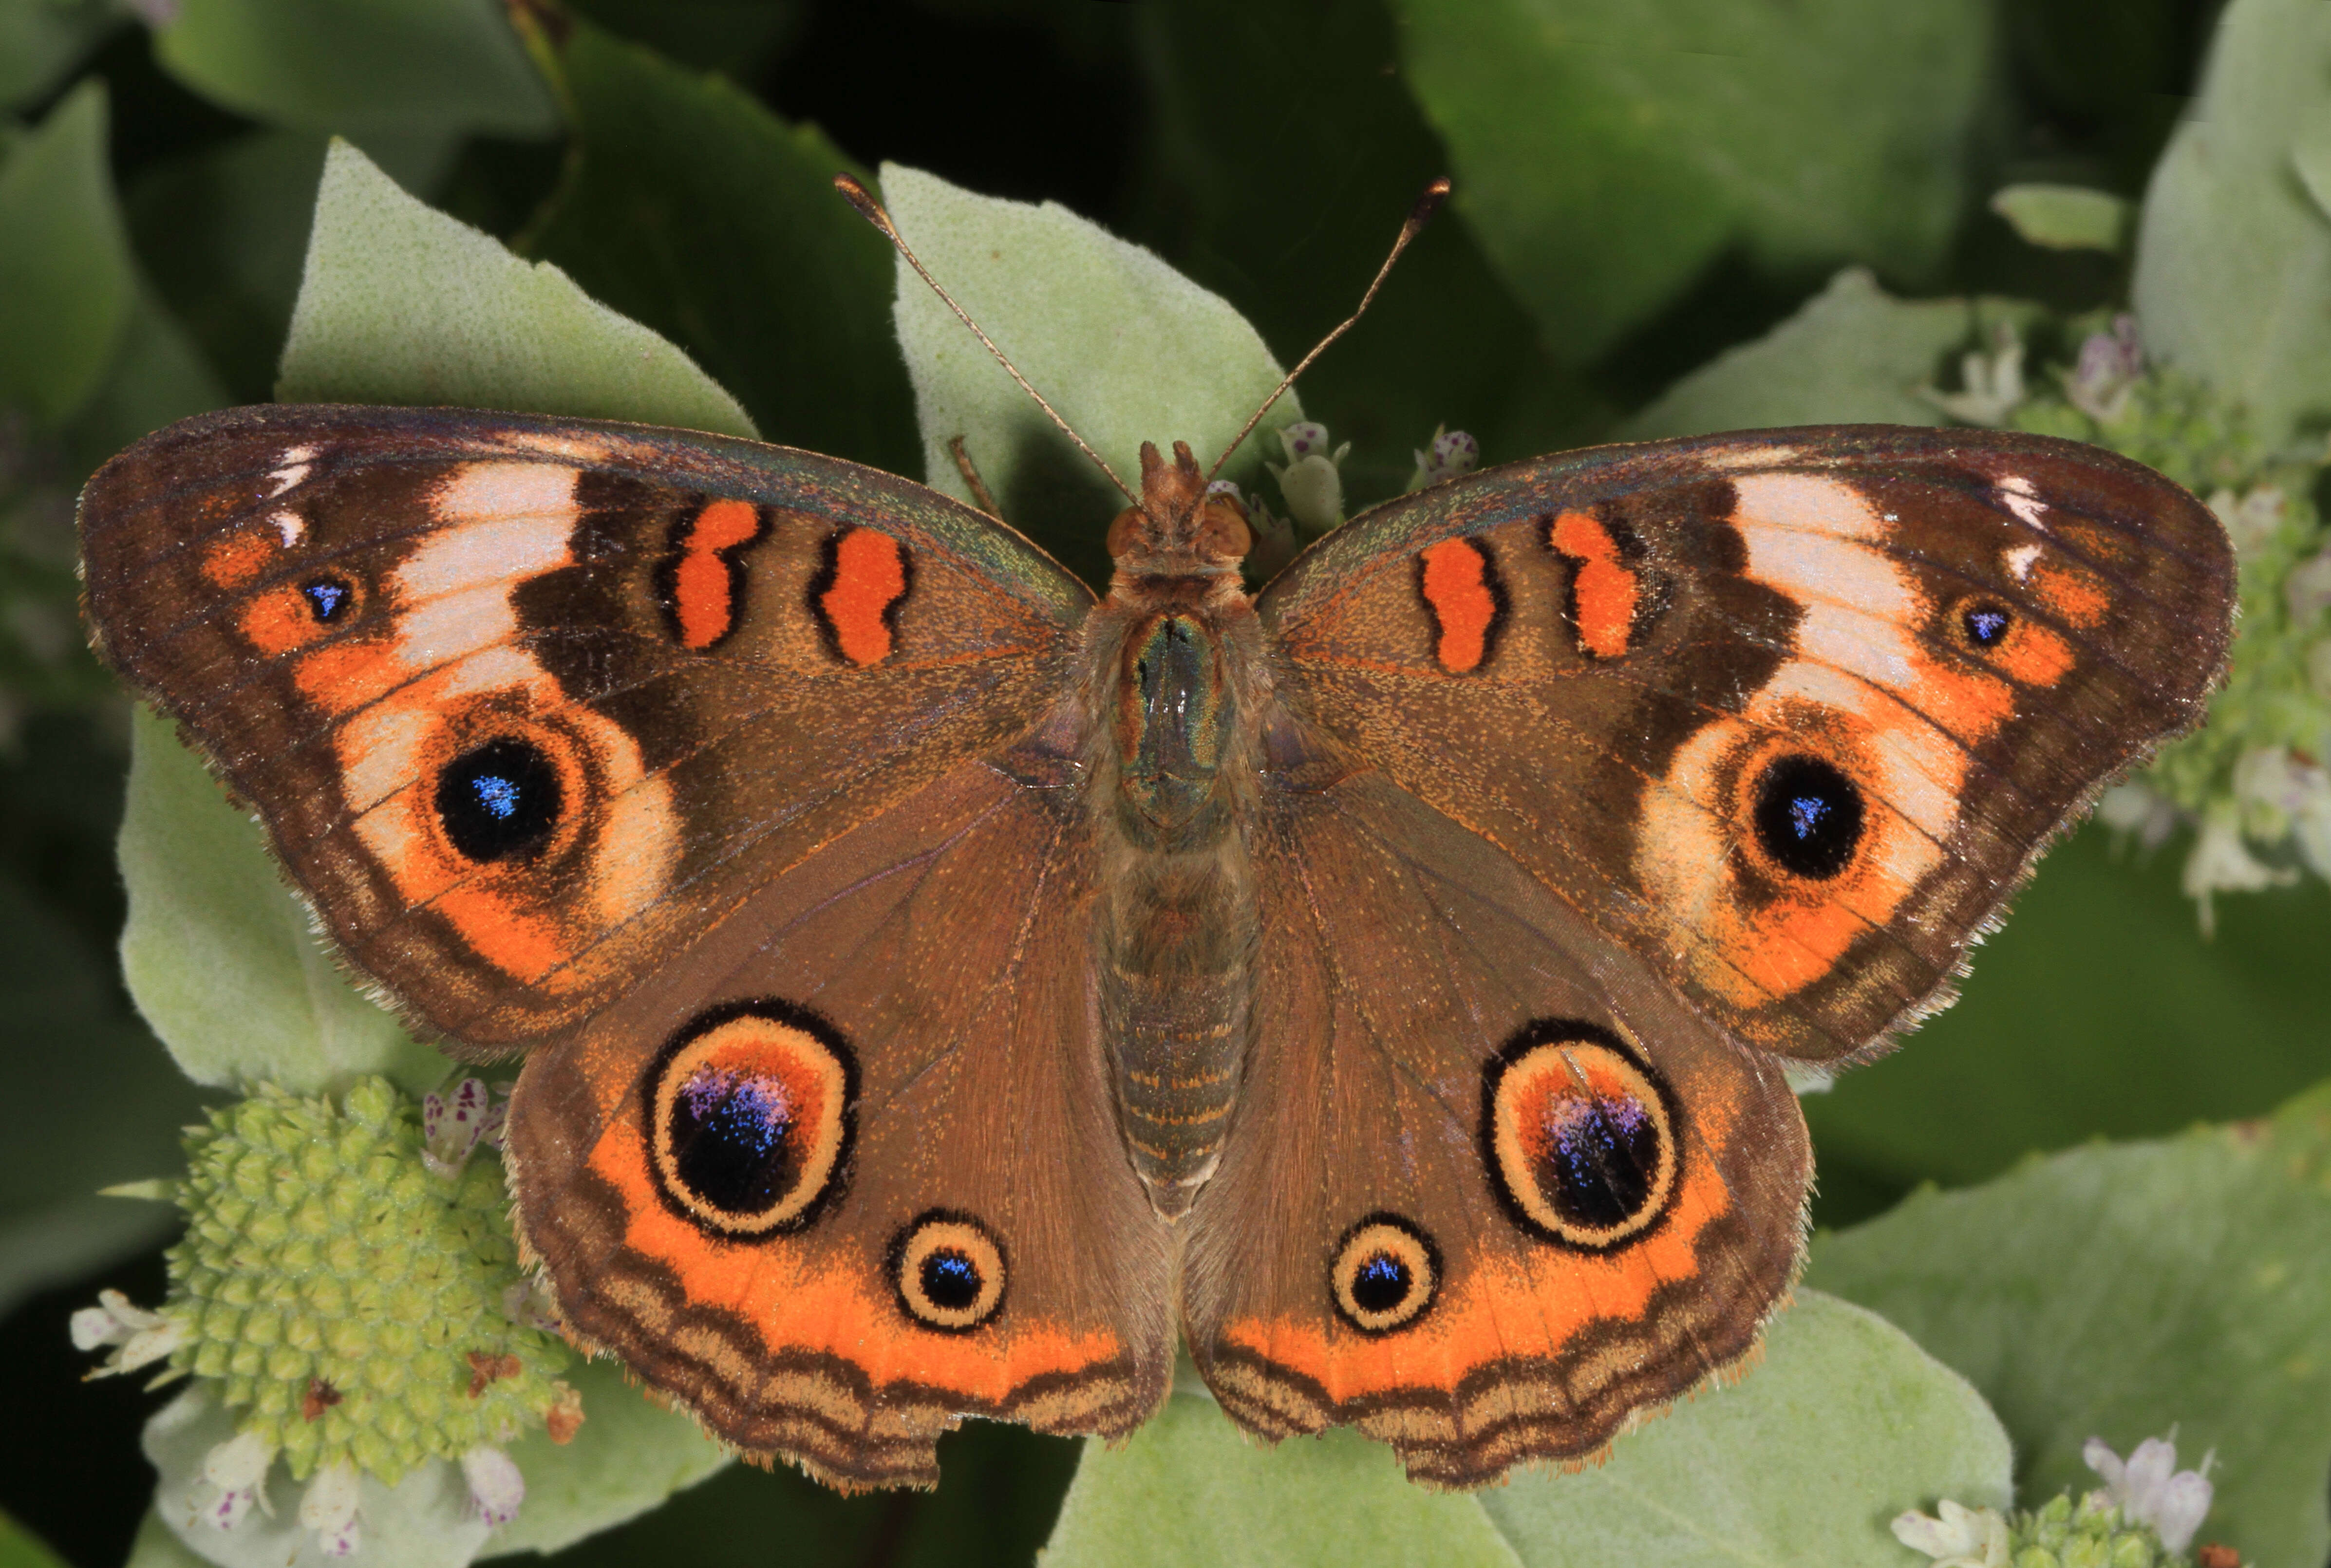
(2109,366)
(452,1126)
(1452,453)
(495,1488)
(142,1336)
(2150,1489)
(330,1509)
(237,1468)
(1963,1537)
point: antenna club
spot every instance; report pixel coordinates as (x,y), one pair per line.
(1428,204)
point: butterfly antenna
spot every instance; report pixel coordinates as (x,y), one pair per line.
(858,197)
(1418,216)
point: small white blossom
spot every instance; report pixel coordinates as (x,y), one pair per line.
(237,1468)
(1311,482)
(528,1303)
(2222,864)
(2132,808)
(2252,520)
(2109,367)
(452,1127)
(1990,385)
(2308,589)
(1450,454)
(143,1338)
(1963,1537)
(495,1488)
(330,1509)
(2150,1489)
(2292,796)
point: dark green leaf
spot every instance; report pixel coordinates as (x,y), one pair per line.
(2099,1011)
(67,286)
(2122,1291)
(1287,150)
(362,67)
(1608,151)
(691,208)
(222,232)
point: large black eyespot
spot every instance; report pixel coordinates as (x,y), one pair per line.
(1579,1136)
(750,1118)
(499,800)
(1383,1274)
(329,598)
(1986,623)
(947,1272)
(1808,816)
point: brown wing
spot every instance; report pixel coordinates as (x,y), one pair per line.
(849,1169)
(527,703)
(1788,713)
(1490,1187)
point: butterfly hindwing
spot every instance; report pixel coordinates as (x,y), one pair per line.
(1494,1189)
(1790,712)
(525,702)
(849,1171)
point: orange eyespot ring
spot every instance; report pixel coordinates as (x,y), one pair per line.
(750,1113)
(1579,1136)
(947,1272)
(1383,1275)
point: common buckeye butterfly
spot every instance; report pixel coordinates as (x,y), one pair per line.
(940,988)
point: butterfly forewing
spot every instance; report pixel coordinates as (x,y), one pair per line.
(1789,711)
(525,703)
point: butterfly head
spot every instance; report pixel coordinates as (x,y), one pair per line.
(1180,529)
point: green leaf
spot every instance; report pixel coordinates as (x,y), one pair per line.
(1125,349)
(1844,1423)
(67,285)
(112,1108)
(1608,151)
(628,1455)
(2121,1290)
(1775,1468)
(158,377)
(2065,217)
(223,232)
(40,39)
(2233,255)
(692,209)
(401,304)
(1188,1489)
(223,958)
(1291,225)
(2097,1011)
(1854,353)
(362,67)
(19,1548)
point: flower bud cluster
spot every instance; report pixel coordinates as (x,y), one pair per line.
(349,1286)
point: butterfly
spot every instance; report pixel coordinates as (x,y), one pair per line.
(942,990)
